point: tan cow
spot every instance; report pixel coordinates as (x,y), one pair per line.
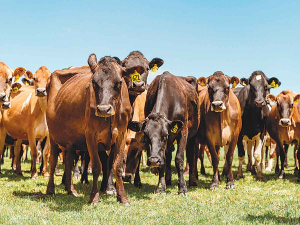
(26,119)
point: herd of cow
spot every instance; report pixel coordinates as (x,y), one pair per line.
(107,112)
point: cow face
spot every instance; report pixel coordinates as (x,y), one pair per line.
(157,129)
(137,80)
(6,80)
(40,80)
(218,86)
(285,102)
(260,87)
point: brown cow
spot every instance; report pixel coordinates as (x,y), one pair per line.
(220,123)
(90,111)
(26,119)
(283,124)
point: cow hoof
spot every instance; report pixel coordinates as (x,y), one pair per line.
(73,193)
(138,184)
(46,175)
(168,182)
(268,169)
(76,176)
(260,178)
(239,176)
(111,192)
(34,176)
(127,204)
(161,191)
(192,183)
(94,198)
(214,187)
(281,176)
(21,175)
(83,181)
(50,191)
(296,171)
(230,185)
(182,191)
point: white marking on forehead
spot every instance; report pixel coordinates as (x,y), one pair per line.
(258,77)
(26,102)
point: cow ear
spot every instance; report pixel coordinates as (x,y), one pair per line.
(15,87)
(92,61)
(296,99)
(244,81)
(175,126)
(18,72)
(155,64)
(91,95)
(28,75)
(274,82)
(202,81)
(118,60)
(25,81)
(234,81)
(136,126)
(271,98)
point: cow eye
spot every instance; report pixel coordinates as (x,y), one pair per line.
(266,88)
(118,85)
(9,80)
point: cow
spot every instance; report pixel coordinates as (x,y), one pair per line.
(89,108)
(26,119)
(283,124)
(220,123)
(255,110)
(170,115)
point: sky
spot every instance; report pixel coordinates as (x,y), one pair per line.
(194,38)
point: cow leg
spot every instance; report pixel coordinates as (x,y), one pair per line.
(263,150)
(33,151)
(161,180)
(2,143)
(272,155)
(17,158)
(111,189)
(190,154)
(283,150)
(46,152)
(94,156)
(179,162)
(70,155)
(54,150)
(144,161)
(76,168)
(296,170)
(168,165)
(119,155)
(215,161)
(286,161)
(137,178)
(277,158)
(201,157)
(104,159)
(257,156)
(298,158)
(241,155)
(226,167)
(84,167)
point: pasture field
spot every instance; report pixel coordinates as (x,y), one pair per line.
(22,201)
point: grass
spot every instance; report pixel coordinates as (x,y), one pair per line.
(22,201)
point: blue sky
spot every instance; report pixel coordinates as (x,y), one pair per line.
(195,38)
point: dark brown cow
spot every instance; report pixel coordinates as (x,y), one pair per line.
(283,124)
(170,115)
(90,110)
(220,123)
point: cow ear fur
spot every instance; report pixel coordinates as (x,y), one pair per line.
(202,81)
(271,98)
(244,81)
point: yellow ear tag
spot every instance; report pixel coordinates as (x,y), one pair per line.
(276,86)
(202,83)
(17,78)
(26,83)
(175,142)
(234,85)
(15,90)
(174,129)
(273,84)
(154,68)
(135,76)
(296,101)
(244,83)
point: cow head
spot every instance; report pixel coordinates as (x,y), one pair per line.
(40,80)
(137,80)
(218,86)
(106,84)
(260,87)
(285,102)
(6,80)
(157,130)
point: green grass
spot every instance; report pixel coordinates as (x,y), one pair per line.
(252,202)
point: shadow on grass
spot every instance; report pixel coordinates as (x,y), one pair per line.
(12,176)
(270,217)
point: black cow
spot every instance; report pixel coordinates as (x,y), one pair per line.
(170,115)
(255,110)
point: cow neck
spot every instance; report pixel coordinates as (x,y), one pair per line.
(43,103)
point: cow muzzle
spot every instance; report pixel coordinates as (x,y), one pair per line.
(137,87)
(41,92)
(3,98)
(218,106)
(260,103)
(6,105)
(105,110)
(285,122)
(154,162)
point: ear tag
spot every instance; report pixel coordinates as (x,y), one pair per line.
(17,78)
(234,85)
(244,83)
(15,90)
(174,129)
(175,142)
(135,76)
(26,83)
(202,83)
(273,84)
(276,86)
(296,101)
(154,68)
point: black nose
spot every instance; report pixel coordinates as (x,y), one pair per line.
(41,92)
(285,122)
(154,161)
